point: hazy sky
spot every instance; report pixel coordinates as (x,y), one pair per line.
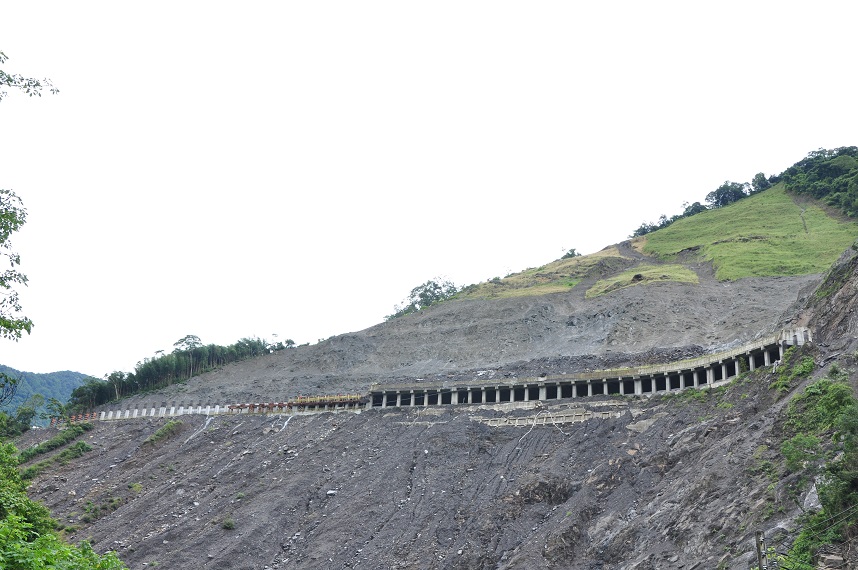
(295,168)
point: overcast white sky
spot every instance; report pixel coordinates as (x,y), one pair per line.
(230,169)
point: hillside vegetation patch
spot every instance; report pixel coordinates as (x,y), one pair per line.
(765,235)
(63,438)
(643,275)
(826,411)
(170,428)
(63,458)
(555,277)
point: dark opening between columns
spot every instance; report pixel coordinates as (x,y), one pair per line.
(675,382)
(463,395)
(628,385)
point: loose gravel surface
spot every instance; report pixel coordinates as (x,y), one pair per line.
(662,483)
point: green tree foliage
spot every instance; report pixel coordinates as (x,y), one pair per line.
(726,194)
(826,409)
(571,253)
(12,323)
(28,85)
(759,183)
(831,175)
(27,538)
(12,425)
(12,217)
(691,209)
(429,293)
(56,385)
(187,360)
(664,221)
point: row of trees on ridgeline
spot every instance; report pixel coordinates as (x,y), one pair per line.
(724,195)
(189,358)
(830,175)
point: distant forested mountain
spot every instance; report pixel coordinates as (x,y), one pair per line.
(57,385)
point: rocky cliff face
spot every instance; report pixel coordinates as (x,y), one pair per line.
(522,337)
(676,481)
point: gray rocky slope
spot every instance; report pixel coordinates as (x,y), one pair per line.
(667,482)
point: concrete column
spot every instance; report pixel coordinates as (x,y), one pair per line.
(207,409)
(695,377)
(751,365)
(484,395)
(384,400)
(638,387)
(710,375)
(622,387)
(767,360)
(398,398)
(543,392)
(526,393)
(454,396)
(181,410)
(412,399)
(470,396)
(574,390)
(780,351)
(589,387)
(723,370)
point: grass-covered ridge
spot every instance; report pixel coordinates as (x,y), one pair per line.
(765,235)
(554,277)
(641,275)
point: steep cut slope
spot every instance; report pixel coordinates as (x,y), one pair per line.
(675,481)
(648,300)
(561,332)
(672,482)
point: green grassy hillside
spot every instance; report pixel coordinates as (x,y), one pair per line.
(767,234)
(554,277)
